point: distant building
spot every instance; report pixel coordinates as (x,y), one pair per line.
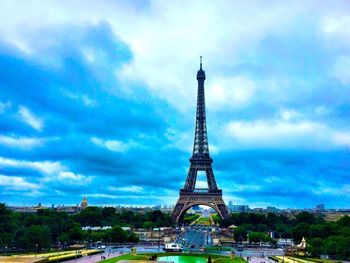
(96,228)
(239,208)
(84,203)
(320,208)
(259,210)
(157,207)
(206,213)
(272,209)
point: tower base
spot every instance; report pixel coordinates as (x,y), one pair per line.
(189,199)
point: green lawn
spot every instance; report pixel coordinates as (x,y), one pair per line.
(289,259)
(218,248)
(204,221)
(215,258)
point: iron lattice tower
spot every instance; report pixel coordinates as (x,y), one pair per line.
(200,161)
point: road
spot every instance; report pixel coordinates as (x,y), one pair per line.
(195,239)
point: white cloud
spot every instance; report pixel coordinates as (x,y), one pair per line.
(321,111)
(131,188)
(17,183)
(108,196)
(4,106)
(341,138)
(21,142)
(329,190)
(134,196)
(280,133)
(232,32)
(29,118)
(230,92)
(336,26)
(112,145)
(69,178)
(274,133)
(340,70)
(47,167)
(52,171)
(289,114)
(182,140)
(84,98)
(74,177)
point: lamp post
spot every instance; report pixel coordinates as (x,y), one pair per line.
(110,246)
(233,236)
(36,249)
(233,239)
(5,250)
(158,239)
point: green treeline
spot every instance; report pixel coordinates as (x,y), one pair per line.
(331,238)
(47,227)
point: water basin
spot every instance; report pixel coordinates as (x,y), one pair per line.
(183,259)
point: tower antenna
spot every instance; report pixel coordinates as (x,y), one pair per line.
(200,62)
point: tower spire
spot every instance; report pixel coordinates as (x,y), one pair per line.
(200,62)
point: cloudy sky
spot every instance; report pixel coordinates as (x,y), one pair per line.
(97,99)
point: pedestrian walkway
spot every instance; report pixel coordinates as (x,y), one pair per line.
(94,258)
(258,260)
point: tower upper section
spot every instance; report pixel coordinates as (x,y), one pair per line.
(200,146)
(200,72)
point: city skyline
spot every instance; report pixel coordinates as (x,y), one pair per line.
(101,103)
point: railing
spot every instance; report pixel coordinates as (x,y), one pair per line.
(200,191)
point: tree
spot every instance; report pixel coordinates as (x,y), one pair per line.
(33,235)
(75,233)
(240,233)
(107,212)
(344,221)
(116,234)
(316,247)
(307,218)
(91,216)
(330,245)
(6,226)
(64,238)
(256,237)
(343,247)
(299,231)
(148,225)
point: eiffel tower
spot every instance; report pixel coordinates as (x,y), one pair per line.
(200,161)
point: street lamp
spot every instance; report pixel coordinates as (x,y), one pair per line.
(158,239)
(110,246)
(36,249)
(5,250)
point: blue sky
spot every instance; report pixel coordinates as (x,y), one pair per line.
(97,99)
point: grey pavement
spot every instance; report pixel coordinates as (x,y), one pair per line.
(110,253)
